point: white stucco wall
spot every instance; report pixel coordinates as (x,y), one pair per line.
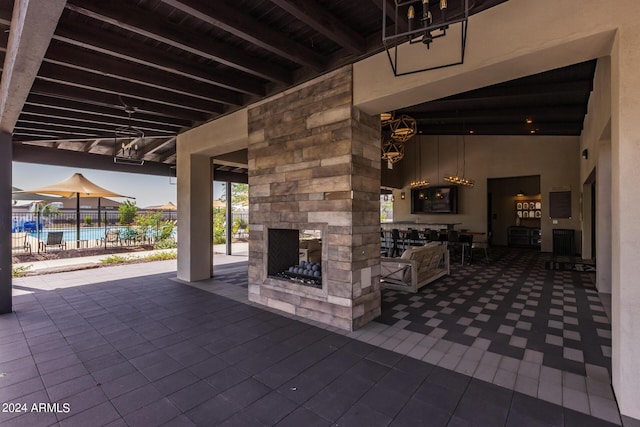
(196,148)
(555,159)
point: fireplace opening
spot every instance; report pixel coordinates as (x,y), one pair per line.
(296,256)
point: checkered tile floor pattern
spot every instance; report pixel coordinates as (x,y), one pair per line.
(510,307)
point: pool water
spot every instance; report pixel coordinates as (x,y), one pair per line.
(86,233)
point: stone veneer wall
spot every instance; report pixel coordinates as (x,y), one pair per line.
(314,163)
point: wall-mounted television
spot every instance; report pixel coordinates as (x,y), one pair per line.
(434,200)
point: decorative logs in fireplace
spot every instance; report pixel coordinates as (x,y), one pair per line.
(306,273)
(312,269)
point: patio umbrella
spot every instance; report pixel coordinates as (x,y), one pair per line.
(75,186)
(169,206)
(18,195)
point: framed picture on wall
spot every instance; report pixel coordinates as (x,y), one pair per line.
(519,206)
(525,205)
(519,214)
(525,214)
(560,204)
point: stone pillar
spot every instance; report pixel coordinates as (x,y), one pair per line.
(5,223)
(314,163)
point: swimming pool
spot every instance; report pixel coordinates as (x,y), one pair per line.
(90,233)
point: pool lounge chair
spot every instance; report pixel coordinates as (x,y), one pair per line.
(54,239)
(112,237)
(19,242)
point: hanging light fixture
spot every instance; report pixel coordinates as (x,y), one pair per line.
(457,179)
(386,118)
(127,139)
(419,181)
(403,128)
(395,132)
(437,17)
(392,151)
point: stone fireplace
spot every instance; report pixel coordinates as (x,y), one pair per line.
(314,164)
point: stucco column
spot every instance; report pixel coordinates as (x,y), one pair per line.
(195,186)
(5,223)
(625,208)
(603,218)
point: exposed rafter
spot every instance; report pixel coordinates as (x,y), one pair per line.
(106,43)
(124,16)
(243,26)
(324,22)
(31,28)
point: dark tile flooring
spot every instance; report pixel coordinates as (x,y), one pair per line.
(516,304)
(149,351)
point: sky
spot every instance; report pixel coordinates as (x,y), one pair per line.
(148,190)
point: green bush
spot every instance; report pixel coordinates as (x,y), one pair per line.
(127,212)
(20,271)
(167,243)
(115,259)
(219,219)
(161,256)
(87,220)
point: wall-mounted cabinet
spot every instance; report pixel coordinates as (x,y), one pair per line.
(523,237)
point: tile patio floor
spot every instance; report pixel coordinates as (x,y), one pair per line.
(132,346)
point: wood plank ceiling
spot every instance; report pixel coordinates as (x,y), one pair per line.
(180,63)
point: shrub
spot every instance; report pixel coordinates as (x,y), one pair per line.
(87,220)
(168,243)
(115,259)
(127,212)
(20,271)
(161,256)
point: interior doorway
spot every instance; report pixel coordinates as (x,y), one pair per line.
(506,224)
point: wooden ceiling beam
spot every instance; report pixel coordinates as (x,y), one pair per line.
(49,88)
(46,122)
(499,90)
(45,113)
(325,23)
(107,43)
(32,26)
(142,22)
(516,114)
(94,109)
(49,130)
(243,26)
(98,83)
(169,157)
(535,100)
(49,156)
(390,11)
(540,128)
(88,146)
(85,60)
(157,144)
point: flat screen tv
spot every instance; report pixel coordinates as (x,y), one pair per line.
(434,200)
